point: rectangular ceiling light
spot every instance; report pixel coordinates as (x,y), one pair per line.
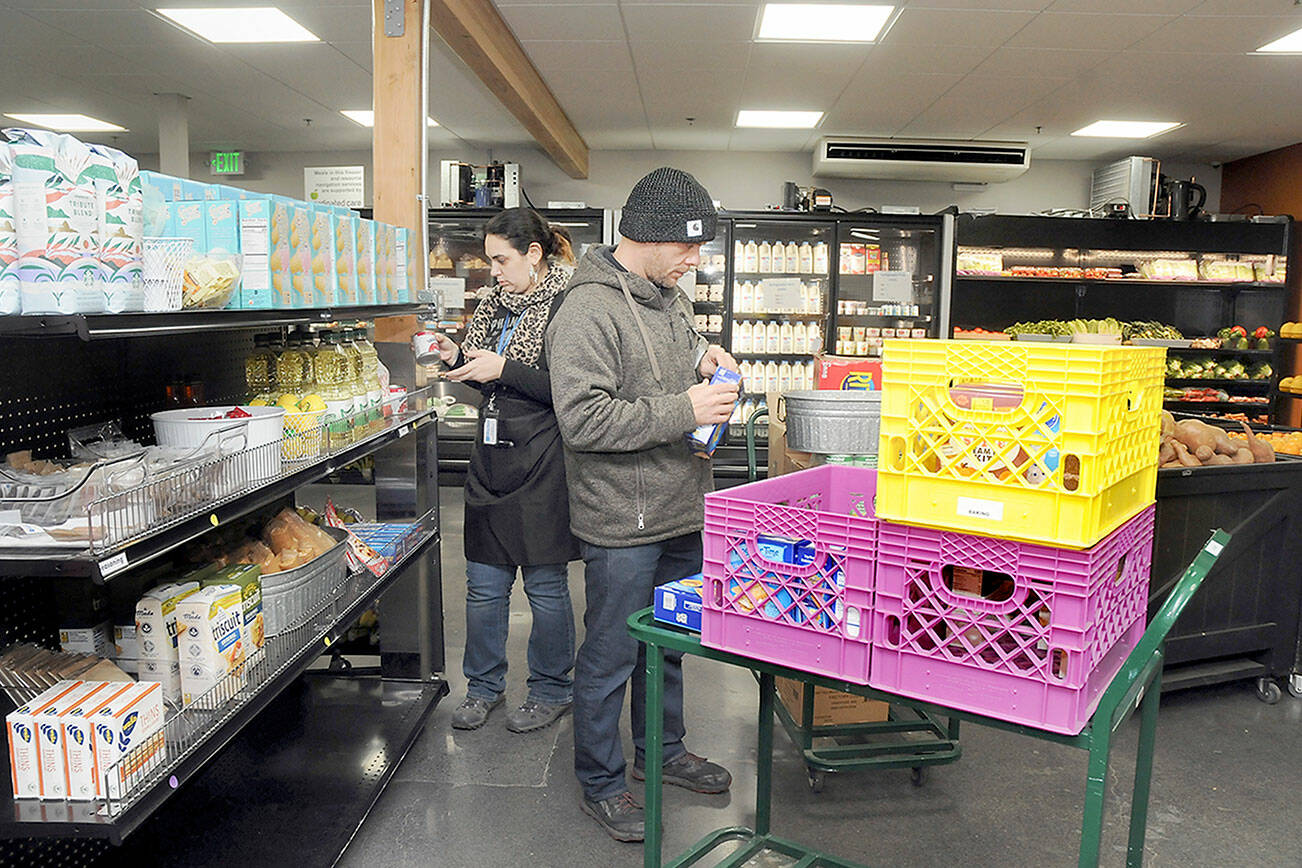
(1290,44)
(778,120)
(240,24)
(823,22)
(1127,129)
(366,117)
(68,123)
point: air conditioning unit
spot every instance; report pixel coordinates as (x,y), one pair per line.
(1133,181)
(920,159)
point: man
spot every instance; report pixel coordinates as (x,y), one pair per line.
(627,383)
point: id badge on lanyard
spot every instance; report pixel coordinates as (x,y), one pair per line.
(491,415)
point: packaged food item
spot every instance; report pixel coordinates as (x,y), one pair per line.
(773,338)
(705,438)
(248,578)
(156,632)
(365,247)
(49,738)
(24,751)
(130,726)
(211,639)
(679,602)
(79,740)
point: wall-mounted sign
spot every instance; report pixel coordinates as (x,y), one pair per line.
(226,162)
(335,185)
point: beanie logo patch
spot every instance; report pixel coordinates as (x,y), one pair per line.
(694,229)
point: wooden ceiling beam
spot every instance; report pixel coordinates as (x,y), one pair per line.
(474,29)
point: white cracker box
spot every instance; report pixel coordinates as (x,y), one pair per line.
(128,736)
(156,636)
(49,738)
(211,633)
(24,752)
(79,740)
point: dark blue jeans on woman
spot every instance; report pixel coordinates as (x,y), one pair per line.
(619,582)
(551,641)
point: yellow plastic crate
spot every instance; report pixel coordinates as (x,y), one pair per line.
(1037,442)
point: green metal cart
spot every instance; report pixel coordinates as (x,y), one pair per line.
(1136,687)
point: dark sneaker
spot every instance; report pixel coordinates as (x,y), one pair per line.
(534,715)
(472,713)
(620,816)
(691,772)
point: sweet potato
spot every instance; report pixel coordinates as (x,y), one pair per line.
(1243,456)
(1182,453)
(1262,452)
(1166,454)
(1168,425)
(1193,434)
(1204,453)
(1220,459)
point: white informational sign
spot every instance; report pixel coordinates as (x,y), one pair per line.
(335,185)
(782,294)
(451,289)
(893,286)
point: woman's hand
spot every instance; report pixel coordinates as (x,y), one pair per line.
(448,348)
(483,366)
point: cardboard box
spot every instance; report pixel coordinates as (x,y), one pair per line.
(79,740)
(131,724)
(211,640)
(781,459)
(280,217)
(248,578)
(53,770)
(221,219)
(24,750)
(156,631)
(165,187)
(258,289)
(345,253)
(188,218)
(679,603)
(402,266)
(365,260)
(302,289)
(97,640)
(847,372)
(831,707)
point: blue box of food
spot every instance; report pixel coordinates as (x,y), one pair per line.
(679,603)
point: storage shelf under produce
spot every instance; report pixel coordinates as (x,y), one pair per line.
(1127,281)
(1221,351)
(1195,382)
(96,326)
(196,734)
(131,527)
(1221,406)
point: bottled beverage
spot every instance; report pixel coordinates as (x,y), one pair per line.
(292,370)
(362,416)
(784,377)
(810,379)
(738,254)
(743,332)
(806,258)
(799,339)
(793,258)
(371,376)
(765,257)
(332,367)
(750,262)
(820,258)
(787,339)
(773,338)
(259,369)
(746,297)
(771,377)
(814,337)
(743,368)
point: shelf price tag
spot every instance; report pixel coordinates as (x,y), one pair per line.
(893,286)
(115,564)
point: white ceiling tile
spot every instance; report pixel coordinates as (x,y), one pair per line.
(561,56)
(1154,7)
(1241,8)
(882,104)
(718,56)
(1218,34)
(1069,30)
(689,139)
(696,22)
(564,21)
(358,52)
(938,60)
(930,27)
(671,95)
(768,140)
(978,103)
(982,5)
(620,140)
(606,102)
(787,76)
(317,71)
(1018,62)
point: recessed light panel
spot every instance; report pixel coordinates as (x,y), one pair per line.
(823,22)
(1126,129)
(68,123)
(781,120)
(240,24)
(1290,44)
(366,117)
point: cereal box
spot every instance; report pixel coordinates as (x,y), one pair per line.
(49,738)
(365,260)
(248,577)
(325,274)
(211,630)
(281,252)
(402,265)
(79,740)
(257,287)
(156,631)
(24,753)
(128,736)
(345,256)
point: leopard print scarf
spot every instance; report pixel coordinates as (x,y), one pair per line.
(533,308)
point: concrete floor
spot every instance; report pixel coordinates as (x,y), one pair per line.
(1226,779)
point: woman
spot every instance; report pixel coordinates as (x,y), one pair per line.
(517,509)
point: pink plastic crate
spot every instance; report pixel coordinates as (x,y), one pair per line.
(1026,633)
(813,613)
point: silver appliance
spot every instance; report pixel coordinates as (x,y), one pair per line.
(1132,181)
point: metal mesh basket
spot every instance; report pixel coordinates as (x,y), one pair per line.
(164,272)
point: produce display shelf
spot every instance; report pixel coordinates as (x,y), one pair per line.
(164,535)
(122,325)
(1213,383)
(1221,406)
(1221,351)
(1126,281)
(196,735)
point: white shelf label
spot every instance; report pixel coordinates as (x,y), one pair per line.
(971,507)
(781,293)
(893,286)
(115,564)
(404,430)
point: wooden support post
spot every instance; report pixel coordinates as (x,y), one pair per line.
(399,152)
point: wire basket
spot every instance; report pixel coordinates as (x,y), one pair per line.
(164,272)
(303,435)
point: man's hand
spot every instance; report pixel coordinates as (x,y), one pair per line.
(716,357)
(484,366)
(712,404)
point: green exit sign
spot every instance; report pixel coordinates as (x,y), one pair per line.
(227,163)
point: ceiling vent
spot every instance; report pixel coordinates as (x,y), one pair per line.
(920,159)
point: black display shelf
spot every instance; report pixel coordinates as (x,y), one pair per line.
(740,315)
(1222,351)
(1294,395)
(1215,384)
(1125,281)
(30,818)
(710,304)
(774,275)
(1220,406)
(100,567)
(776,357)
(97,326)
(895,316)
(1270,235)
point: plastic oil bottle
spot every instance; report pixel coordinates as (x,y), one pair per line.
(292,370)
(371,376)
(332,369)
(259,370)
(364,415)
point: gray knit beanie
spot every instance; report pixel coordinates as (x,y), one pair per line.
(668,205)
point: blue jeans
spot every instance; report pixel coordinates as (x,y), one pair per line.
(551,641)
(619,582)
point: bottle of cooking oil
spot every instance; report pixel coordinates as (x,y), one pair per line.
(371,376)
(259,370)
(332,368)
(362,419)
(292,371)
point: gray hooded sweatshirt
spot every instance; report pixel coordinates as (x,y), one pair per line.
(621,363)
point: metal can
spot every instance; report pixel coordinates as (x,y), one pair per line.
(426,347)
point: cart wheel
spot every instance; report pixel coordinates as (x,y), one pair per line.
(1295,684)
(816,780)
(1268,691)
(340,663)
(919,775)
